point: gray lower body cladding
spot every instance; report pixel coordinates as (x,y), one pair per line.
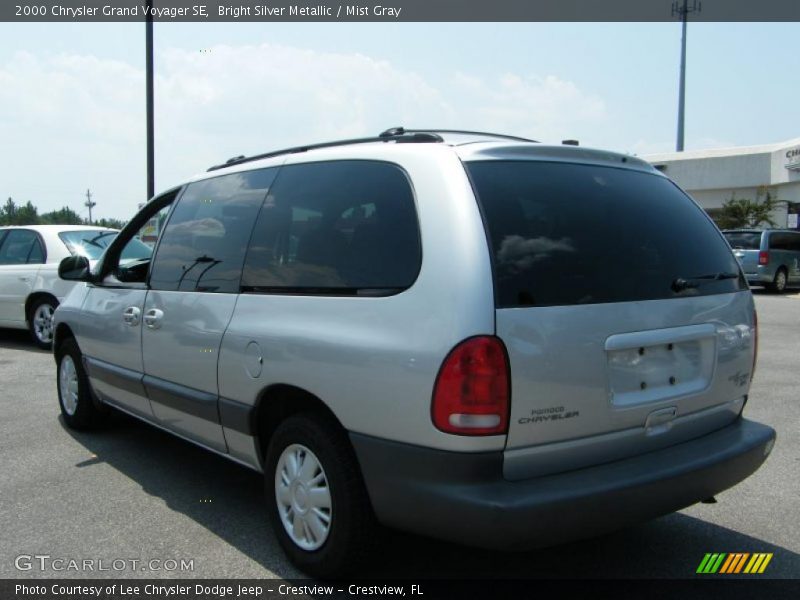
(463,497)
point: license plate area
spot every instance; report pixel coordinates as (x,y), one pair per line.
(651,366)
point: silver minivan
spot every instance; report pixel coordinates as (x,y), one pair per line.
(769,257)
(473,337)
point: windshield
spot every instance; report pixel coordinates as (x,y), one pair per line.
(743,240)
(92,243)
(565,234)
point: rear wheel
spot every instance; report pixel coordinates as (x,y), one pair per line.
(78,407)
(316,498)
(779,282)
(40,321)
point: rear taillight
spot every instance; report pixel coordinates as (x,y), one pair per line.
(755,343)
(471,394)
(763,257)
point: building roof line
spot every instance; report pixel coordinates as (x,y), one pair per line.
(721,152)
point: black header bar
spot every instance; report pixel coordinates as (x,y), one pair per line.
(393,10)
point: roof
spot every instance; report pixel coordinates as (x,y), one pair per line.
(474,145)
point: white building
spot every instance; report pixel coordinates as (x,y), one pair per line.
(713,176)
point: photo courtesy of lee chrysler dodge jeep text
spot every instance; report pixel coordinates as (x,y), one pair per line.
(459,334)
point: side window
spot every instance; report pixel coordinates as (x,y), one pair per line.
(779,241)
(203,245)
(335,227)
(36,255)
(17,246)
(140,246)
(772,241)
(794,244)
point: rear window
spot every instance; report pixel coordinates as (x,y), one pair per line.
(92,243)
(565,234)
(743,240)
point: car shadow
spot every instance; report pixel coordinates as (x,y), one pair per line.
(19,339)
(669,547)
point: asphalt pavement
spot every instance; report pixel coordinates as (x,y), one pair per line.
(135,494)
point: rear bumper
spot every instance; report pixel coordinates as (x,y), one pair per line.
(762,275)
(758,279)
(463,498)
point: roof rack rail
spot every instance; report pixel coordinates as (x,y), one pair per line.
(397,134)
(502,136)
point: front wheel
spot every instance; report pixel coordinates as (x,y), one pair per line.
(78,407)
(40,322)
(316,498)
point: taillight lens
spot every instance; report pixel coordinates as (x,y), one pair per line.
(755,343)
(763,257)
(471,394)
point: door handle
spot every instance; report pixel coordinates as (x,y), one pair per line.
(152,318)
(24,278)
(131,315)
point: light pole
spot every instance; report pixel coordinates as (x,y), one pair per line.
(149,84)
(682,9)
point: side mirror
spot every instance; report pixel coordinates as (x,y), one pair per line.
(74,268)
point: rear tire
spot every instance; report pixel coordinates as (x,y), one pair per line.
(78,407)
(40,321)
(316,498)
(778,284)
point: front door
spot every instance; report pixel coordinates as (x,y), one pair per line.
(111,318)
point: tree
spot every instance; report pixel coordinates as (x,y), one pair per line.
(27,215)
(110,223)
(8,214)
(737,213)
(63,216)
(11,214)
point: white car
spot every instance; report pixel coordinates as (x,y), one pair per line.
(30,289)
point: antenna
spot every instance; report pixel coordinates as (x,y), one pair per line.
(682,9)
(89,204)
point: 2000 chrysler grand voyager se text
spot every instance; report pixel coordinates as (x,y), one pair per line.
(469,336)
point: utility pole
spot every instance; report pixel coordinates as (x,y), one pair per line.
(149,85)
(89,204)
(682,9)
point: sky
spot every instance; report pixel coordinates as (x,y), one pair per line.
(72,95)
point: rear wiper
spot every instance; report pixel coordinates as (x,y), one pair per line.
(683,283)
(93,243)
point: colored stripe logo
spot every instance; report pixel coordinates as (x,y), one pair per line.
(734,562)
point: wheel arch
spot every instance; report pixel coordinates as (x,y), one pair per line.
(61,333)
(278,402)
(33,298)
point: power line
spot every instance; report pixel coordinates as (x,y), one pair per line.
(89,204)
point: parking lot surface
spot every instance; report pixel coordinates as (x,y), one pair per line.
(133,493)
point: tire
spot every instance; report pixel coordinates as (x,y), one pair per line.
(778,284)
(337,526)
(78,406)
(40,321)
